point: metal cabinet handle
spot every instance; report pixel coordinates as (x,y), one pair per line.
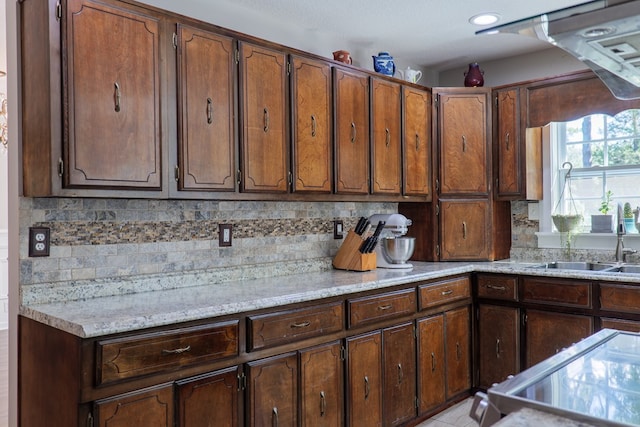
(385,307)
(464,143)
(400,373)
(498,348)
(464,230)
(507,140)
(496,288)
(274,417)
(266,119)
(366,387)
(117,96)
(323,404)
(177,350)
(313,126)
(387,137)
(433,362)
(353,133)
(458,353)
(209,110)
(447,292)
(417,142)
(300,325)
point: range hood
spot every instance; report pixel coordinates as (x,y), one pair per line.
(605,35)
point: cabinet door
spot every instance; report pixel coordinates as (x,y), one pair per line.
(351,94)
(272,390)
(417,142)
(209,397)
(111,97)
(464,161)
(431,363)
(263,75)
(148,407)
(399,358)
(464,229)
(499,343)
(206,137)
(457,350)
(507,145)
(385,120)
(321,386)
(311,111)
(548,333)
(364,380)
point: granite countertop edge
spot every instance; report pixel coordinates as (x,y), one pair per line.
(107,315)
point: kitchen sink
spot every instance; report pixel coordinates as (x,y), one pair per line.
(635,268)
(578,265)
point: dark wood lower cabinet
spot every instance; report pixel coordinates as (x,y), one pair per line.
(457,325)
(549,333)
(431,360)
(364,380)
(149,407)
(498,343)
(272,391)
(209,397)
(399,390)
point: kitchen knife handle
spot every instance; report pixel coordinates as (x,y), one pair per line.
(313,125)
(266,119)
(387,138)
(209,110)
(116,96)
(354,133)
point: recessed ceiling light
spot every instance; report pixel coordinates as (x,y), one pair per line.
(484,19)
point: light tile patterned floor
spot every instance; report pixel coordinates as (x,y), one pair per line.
(456,416)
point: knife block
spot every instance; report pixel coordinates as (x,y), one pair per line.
(349,256)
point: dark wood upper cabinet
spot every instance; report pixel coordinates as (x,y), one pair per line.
(464,155)
(351,97)
(111,88)
(206,101)
(264,89)
(465,229)
(417,142)
(311,125)
(507,145)
(386,164)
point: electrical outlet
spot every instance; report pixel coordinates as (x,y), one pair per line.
(338,229)
(39,241)
(224,235)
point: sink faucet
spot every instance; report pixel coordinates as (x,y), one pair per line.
(621,230)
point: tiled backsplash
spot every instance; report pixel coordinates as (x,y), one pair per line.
(105,238)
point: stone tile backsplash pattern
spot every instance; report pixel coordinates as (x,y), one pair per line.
(106,238)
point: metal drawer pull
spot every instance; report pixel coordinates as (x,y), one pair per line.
(117,96)
(313,126)
(447,292)
(323,404)
(387,140)
(458,354)
(464,230)
(385,307)
(497,288)
(353,132)
(464,143)
(300,325)
(507,140)
(209,110)
(177,350)
(417,142)
(498,348)
(433,362)
(274,417)
(400,374)
(366,387)
(266,119)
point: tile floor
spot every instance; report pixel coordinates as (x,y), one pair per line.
(456,416)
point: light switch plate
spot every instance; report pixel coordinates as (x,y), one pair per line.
(224,235)
(39,241)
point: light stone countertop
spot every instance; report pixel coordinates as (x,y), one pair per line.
(105,315)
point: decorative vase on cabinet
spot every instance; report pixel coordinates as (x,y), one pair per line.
(474,76)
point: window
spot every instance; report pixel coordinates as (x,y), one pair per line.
(604,153)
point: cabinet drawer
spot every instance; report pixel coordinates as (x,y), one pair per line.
(444,292)
(620,324)
(380,307)
(128,357)
(498,287)
(557,292)
(268,330)
(624,298)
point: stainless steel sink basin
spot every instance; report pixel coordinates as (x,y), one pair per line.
(628,269)
(578,265)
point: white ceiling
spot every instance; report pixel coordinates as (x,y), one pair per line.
(433,34)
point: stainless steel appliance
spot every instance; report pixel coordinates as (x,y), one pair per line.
(396,225)
(596,381)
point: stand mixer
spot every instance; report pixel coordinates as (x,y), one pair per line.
(396,225)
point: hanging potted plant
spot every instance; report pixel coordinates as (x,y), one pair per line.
(603,223)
